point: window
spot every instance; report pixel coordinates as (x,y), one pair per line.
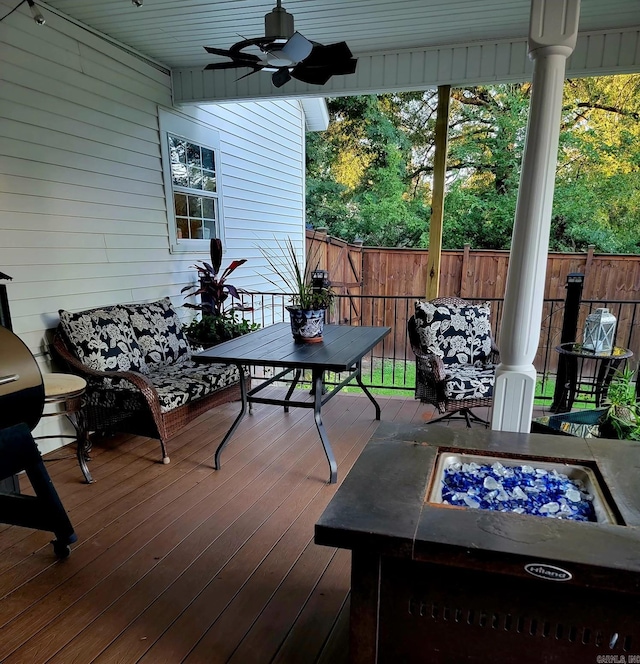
(190,160)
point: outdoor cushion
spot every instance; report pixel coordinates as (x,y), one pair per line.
(176,385)
(179,384)
(159,333)
(459,335)
(103,339)
(469,383)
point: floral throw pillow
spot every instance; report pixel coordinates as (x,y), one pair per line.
(159,332)
(457,334)
(103,339)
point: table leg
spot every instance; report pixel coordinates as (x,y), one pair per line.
(317,405)
(83,446)
(366,391)
(234,426)
(605,374)
(572,380)
(292,387)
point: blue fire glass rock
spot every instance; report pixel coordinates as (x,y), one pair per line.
(519,489)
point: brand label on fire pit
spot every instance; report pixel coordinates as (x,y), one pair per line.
(549,572)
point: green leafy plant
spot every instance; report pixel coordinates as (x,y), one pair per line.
(212,286)
(286,263)
(210,330)
(622,415)
(219,301)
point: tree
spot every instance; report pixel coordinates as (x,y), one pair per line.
(357,175)
(370,174)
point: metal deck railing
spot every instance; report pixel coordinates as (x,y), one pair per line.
(391,367)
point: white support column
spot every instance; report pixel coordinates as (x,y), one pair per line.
(553,30)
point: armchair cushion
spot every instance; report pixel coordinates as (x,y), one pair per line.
(103,339)
(460,335)
(469,382)
(159,333)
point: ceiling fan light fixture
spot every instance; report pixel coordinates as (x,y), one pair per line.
(297,48)
(279,59)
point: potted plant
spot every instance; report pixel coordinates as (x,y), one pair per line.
(309,298)
(621,418)
(218,322)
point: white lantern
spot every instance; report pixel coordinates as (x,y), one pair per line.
(599,330)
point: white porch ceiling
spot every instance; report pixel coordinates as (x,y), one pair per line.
(173,32)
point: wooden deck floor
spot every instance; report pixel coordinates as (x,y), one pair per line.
(181,563)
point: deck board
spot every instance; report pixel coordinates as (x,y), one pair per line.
(182,563)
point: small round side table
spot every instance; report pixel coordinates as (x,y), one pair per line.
(67,391)
(609,361)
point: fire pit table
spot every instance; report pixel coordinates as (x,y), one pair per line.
(437,583)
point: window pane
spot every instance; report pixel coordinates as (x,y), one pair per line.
(209,181)
(209,208)
(195,206)
(196,229)
(210,229)
(180,205)
(183,228)
(207,159)
(193,155)
(195,177)
(177,150)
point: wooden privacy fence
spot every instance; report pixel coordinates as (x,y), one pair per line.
(379,284)
(472,274)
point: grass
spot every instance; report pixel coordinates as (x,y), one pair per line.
(404,375)
(400,382)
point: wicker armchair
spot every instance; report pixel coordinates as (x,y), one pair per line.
(156,402)
(455,357)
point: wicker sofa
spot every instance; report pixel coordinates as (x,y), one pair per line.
(139,372)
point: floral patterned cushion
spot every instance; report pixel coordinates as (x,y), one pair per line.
(458,334)
(159,333)
(177,385)
(103,339)
(469,382)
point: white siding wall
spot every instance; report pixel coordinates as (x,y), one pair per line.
(83,218)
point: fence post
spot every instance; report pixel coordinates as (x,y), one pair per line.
(464,292)
(575,282)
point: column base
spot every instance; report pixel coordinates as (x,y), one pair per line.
(513,395)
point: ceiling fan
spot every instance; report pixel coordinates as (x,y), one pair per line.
(286,53)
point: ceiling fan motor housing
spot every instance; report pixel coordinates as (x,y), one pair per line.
(278,23)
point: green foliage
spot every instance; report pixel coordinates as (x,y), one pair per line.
(218,322)
(212,286)
(357,175)
(297,277)
(369,175)
(622,416)
(210,330)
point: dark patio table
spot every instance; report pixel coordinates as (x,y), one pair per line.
(341,350)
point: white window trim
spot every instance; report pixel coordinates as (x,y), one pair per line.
(195,132)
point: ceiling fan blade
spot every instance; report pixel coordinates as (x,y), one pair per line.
(281,77)
(297,48)
(234,55)
(217,51)
(232,65)
(318,72)
(322,55)
(312,75)
(251,73)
